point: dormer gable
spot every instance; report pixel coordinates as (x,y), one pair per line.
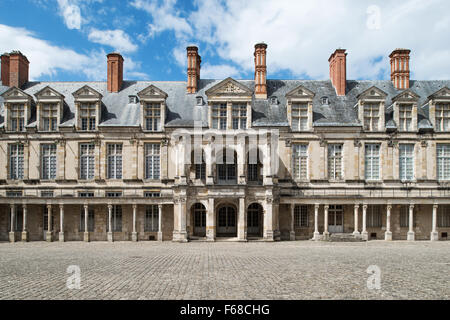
(17,109)
(48,93)
(49,108)
(301,93)
(86,93)
(153,108)
(442,94)
(152,93)
(15,94)
(373,93)
(407,96)
(229,88)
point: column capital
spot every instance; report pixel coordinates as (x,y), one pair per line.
(160,206)
(24,205)
(356,206)
(364,207)
(12,205)
(411,206)
(85,206)
(134,206)
(435,206)
(49,206)
(326,207)
(316,206)
(110,206)
(389,207)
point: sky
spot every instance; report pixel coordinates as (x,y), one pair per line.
(67,40)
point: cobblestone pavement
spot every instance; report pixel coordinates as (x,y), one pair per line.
(225,270)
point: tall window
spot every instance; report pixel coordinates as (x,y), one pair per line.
(226,166)
(443,161)
(17,117)
(335,161)
(116,218)
(152,161)
(91,220)
(373,216)
(152,113)
(301,216)
(406,154)
(404,217)
(87,116)
(299,117)
(16,161)
(442,117)
(18,219)
(200,166)
(219,116)
(114,161)
(300,161)
(443,218)
(372,161)
(371,117)
(405,117)
(239,116)
(87,161)
(151,218)
(49,117)
(48,154)
(254,166)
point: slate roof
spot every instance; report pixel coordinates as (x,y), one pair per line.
(182,109)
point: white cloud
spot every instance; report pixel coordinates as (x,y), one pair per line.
(116,39)
(71,13)
(301,34)
(218,71)
(47,59)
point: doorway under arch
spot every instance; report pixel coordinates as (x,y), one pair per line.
(226,221)
(255,220)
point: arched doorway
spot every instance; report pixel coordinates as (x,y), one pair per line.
(199,213)
(226,222)
(255,220)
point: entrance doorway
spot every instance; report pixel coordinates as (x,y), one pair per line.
(254,220)
(199,220)
(226,222)
(335,219)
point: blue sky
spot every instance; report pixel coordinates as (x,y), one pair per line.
(67,40)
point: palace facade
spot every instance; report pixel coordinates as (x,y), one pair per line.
(224,159)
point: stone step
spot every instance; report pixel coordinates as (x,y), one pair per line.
(345,237)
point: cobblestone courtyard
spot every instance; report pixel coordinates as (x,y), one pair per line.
(225,270)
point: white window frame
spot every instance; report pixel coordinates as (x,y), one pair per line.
(299,115)
(239,116)
(372,159)
(443,161)
(48,162)
(406,162)
(219,116)
(114,160)
(152,116)
(442,117)
(16,161)
(17,117)
(88,116)
(371,121)
(405,118)
(87,170)
(152,161)
(335,161)
(300,161)
(49,117)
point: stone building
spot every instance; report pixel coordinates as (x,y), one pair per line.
(224,159)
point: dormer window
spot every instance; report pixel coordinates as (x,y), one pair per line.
(405,117)
(219,116)
(442,117)
(371,117)
(325,101)
(88,116)
(132,99)
(152,114)
(199,101)
(153,108)
(17,117)
(299,109)
(273,100)
(17,109)
(239,116)
(88,108)
(49,117)
(299,117)
(371,109)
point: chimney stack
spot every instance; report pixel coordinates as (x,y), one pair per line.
(260,71)
(193,69)
(5,69)
(400,68)
(338,71)
(115,72)
(15,68)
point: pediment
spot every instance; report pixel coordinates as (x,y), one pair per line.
(407,96)
(229,87)
(87,92)
(372,93)
(48,93)
(152,92)
(15,94)
(443,93)
(300,92)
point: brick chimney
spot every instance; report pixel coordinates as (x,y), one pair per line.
(5,69)
(338,71)
(115,72)
(260,71)
(193,69)
(400,68)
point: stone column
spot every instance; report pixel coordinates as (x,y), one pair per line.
(434,234)
(364,233)
(316,236)
(180,232)
(134,234)
(388,233)
(86,216)
(209,168)
(411,234)
(49,223)
(242,221)
(326,234)
(292,233)
(11,231)
(268,220)
(61,222)
(160,238)
(211,221)
(24,231)
(110,231)
(356,232)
